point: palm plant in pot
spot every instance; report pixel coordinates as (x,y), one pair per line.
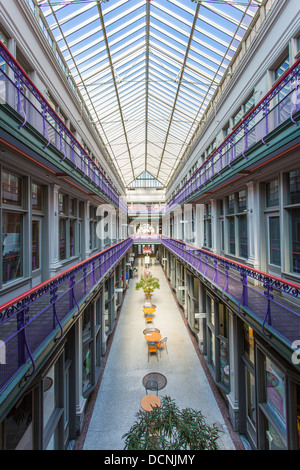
(148,284)
(169,428)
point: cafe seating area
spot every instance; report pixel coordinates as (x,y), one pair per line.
(131,371)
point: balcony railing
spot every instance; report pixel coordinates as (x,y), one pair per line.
(272,301)
(279,105)
(20,93)
(146,238)
(29,321)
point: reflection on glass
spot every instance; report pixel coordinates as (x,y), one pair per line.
(11,189)
(295,242)
(49,396)
(62,239)
(224,361)
(35,244)
(243,236)
(251,406)
(12,253)
(273,193)
(36,197)
(18,426)
(274,240)
(86,366)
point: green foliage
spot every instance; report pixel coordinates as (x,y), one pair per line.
(148,283)
(169,428)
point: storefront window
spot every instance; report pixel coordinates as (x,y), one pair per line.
(231,236)
(18,426)
(12,246)
(243,236)
(249,343)
(275,393)
(211,310)
(273,440)
(86,352)
(251,405)
(36,197)
(11,189)
(86,349)
(274,240)
(272,190)
(207,226)
(294,187)
(298,416)
(49,396)
(295,239)
(224,361)
(62,239)
(35,244)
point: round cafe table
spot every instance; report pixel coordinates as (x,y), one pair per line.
(152,336)
(148,402)
(148,310)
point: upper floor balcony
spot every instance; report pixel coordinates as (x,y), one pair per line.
(268,303)
(33,322)
(270,127)
(27,117)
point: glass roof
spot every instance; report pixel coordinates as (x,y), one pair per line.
(147,70)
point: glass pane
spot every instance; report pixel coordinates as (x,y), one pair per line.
(275,392)
(242,202)
(295,222)
(249,343)
(230,200)
(273,441)
(86,357)
(35,244)
(294,187)
(251,406)
(231,236)
(49,396)
(243,237)
(62,239)
(298,416)
(224,362)
(11,189)
(36,197)
(274,240)
(12,248)
(18,426)
(62,204)
(272,193)
(72,238)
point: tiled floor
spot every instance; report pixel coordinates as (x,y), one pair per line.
(121,388)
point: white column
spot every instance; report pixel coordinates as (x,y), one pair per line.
(254,226)
(54,264)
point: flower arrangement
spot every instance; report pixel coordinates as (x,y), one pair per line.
(148,283)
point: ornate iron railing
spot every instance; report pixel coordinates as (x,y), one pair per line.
(34,318)
(273,301)
(20,93)
(280,104)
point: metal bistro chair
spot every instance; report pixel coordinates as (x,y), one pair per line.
(152,349)
(151,385)
(151,328)
(162,344)
(149,319)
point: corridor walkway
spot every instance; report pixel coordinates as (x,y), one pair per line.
(121,388)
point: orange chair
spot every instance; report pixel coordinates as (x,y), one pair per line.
(149,320)
(162,344)
(152,349)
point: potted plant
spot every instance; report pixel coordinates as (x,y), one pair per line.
(169,428)
(148,283)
